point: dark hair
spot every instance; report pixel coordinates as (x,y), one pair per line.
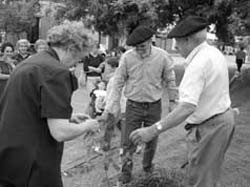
(7,44)
(113,62)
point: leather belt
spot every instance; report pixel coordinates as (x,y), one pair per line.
(144,103)
(192,125)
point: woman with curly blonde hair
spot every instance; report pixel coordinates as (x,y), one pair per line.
(36,113)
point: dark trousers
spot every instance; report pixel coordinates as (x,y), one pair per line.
(239,63)
(138,114)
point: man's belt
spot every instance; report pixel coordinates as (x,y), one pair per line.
(144,103)
(192,125)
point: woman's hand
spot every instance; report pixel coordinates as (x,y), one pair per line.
(92,125)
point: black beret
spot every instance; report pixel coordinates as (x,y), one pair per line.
(188,26)
(139,35)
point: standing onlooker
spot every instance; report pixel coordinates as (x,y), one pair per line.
(6,64)
(204,104)
(22,47)
(36,113)
(240,58)
(40,45)
(144,71)
(90,67)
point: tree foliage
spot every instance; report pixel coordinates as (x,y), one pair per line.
(110,16)
(17,16)
(240,18)
(231,17)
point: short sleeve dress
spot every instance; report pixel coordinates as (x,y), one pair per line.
(39,88)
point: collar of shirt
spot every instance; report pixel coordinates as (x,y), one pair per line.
(22,56)
(145,55)
(53,53)
(191,55)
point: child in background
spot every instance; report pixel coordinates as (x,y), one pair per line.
(100,95)
(97,102)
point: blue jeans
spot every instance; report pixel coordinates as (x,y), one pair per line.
(138,114)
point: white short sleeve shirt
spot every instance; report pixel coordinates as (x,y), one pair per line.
(205,83)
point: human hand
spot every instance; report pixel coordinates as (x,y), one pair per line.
(91,69)
(143,135)
(79,117)
(236,111)
(104,117)
(72,69)
(92,125)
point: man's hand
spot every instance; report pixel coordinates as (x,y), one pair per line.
(79,117)
(91,69)
(236,111)
(143,135)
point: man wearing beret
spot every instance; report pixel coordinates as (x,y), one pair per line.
(204,104)
(144,70)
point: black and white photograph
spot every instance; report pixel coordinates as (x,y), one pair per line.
(124,93)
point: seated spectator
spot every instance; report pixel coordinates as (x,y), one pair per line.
(41,45)
(22,47)
(6,64)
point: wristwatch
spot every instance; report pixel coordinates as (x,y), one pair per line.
(158,126)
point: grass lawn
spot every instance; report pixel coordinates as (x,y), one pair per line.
(171,152)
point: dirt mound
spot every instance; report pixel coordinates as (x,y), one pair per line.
(161,177)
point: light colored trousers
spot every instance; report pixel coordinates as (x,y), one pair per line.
(207,145)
